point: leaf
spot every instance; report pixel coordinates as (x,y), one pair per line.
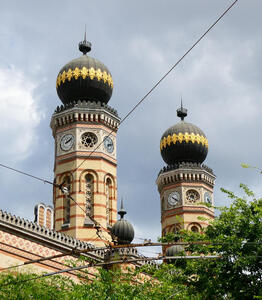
(246,166)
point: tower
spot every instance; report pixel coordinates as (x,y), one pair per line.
(185,184)
(84,129)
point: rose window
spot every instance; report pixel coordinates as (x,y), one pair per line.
(89,139)
(192,196)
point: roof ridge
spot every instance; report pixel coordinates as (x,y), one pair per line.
(43,231)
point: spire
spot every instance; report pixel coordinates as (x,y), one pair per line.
(85,46)
(122,212)
(181,112)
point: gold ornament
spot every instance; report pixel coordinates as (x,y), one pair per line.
(187,137)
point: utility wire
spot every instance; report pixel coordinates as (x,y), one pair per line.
(79,252)
(27,174)
(162,78)
(123,261)
(142,99)
(134,108)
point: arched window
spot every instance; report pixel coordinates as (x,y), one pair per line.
(194,229)
(177,228)
(66,201)
(162,204)
(109,196)
(89,195)
(49,217)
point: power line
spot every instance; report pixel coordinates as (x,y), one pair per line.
(76,252)
(122,261)
(141,100)
(162,78)
(27,174)
(79,252)
(129,113)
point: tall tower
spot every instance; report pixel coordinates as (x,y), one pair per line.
(185,184)
(84,129)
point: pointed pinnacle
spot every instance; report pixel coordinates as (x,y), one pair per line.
(84,46)
(122,212)
(181,112)
(85,34)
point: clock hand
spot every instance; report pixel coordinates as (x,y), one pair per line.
(68,141)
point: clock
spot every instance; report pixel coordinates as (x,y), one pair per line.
(173,198)
(207,198)
(67,142)
(109,144)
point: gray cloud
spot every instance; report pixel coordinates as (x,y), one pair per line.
(139,41)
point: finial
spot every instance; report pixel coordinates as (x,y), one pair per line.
(85,34)
(181,112)
(122,212)
(85,46)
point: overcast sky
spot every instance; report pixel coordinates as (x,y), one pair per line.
(220,82)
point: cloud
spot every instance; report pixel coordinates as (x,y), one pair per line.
(18,113)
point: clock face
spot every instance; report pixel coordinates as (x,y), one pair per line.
(109,145)
(208,198)
(67,142)
(173,198)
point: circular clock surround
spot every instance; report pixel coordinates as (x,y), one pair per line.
(208,198)
(173,198)
(89,139)
(192,196)
(67,141)
(109,144)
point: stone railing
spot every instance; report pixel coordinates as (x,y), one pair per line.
(87,104)
(185,165)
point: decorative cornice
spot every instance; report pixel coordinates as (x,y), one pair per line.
(90,112)
(183,137)
(11,223)
(91,73)
(89,105)
(186,165)
(183,173)
(48,234)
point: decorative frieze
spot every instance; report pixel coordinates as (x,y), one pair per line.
(185,173)
(85,112)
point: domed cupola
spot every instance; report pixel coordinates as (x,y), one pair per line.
(85,79)
(122,229)
(183,142)
(175,250)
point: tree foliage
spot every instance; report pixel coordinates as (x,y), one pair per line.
(235,236)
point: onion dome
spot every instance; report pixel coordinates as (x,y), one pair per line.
(122,229)
(84,78)
(175,250)
(183,142)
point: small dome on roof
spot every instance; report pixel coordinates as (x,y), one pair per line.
(122,229)
(175,250)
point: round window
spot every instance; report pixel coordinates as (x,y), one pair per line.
(192,196)
(89,139)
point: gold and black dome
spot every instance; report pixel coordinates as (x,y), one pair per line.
(183,142)
(85,79)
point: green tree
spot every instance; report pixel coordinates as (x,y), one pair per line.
(235,236)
